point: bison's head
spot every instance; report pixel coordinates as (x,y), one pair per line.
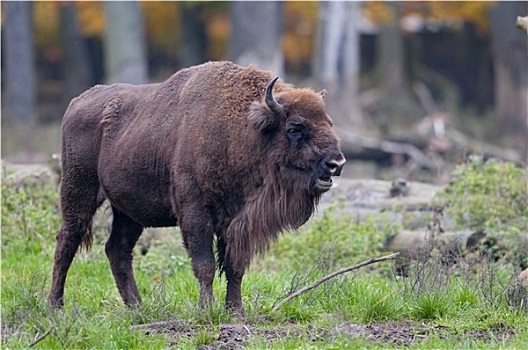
(299,137)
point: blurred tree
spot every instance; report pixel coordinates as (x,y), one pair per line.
(91,18)
(19,78)
(193,46)
(441,43)
(91,22)
(162,30)
(337,60)
(75,60)
(125,52)
(217,26)
(300,27)
(510,63)
(391,65)
(474,12)
(256,32)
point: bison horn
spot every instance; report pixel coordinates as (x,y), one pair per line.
(270,100)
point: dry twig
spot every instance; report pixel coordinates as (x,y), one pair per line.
(161,324)
(39,339)
(332,275)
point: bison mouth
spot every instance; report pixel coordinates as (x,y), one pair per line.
(327,167)
(323,183)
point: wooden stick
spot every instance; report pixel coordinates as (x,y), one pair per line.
(161,324)
(332,275)
(39,339)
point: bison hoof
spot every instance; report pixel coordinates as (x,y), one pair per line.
(236,311)
(55,303)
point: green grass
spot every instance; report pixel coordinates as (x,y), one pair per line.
(469,310)
(491,196)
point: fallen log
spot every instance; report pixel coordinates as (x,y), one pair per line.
(360,147)
(488,150)
(409,242)
(419,148)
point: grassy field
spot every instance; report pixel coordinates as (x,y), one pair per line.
(471,304)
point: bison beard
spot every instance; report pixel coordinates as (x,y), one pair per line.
(211,150)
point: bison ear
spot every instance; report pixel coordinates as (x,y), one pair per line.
(262,118)
(323,94)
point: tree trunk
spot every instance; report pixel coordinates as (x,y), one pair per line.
(19,66)
(256,31)
(75,62)
(510,63)
(125,52)
(193,45)
(391,57)
(337,60)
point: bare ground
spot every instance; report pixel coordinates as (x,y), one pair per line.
(239,336)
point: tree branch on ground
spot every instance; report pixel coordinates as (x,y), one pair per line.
(332,275)
(160,325)
(39,339)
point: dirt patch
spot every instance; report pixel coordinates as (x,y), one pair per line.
(238,336)
(8,330)
(499,333)
(229,336)
(398,333)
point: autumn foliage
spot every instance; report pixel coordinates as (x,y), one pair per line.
(162,23)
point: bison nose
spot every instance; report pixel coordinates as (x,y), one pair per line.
(334,166)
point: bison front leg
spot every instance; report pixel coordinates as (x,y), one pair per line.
(235,251)
(234,271)
(197,233)
(118,249)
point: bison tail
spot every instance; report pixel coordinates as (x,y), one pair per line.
(87,239)
(221,252)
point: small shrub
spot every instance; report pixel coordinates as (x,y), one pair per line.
(429,306)
(486,193)
(204,338)
(465,297)
(29,215)
(491,196)
(333,240)
(379,304)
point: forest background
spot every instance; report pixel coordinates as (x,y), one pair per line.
(391,69)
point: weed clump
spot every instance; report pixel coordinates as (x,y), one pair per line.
(437,282)
(334,239)
(491,196)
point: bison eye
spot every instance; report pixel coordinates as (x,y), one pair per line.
(296,131)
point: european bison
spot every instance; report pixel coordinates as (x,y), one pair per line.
(212,150)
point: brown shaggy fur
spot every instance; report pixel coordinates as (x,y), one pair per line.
(201,150)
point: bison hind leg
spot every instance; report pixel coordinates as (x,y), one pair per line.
(69,238)
(119,250)
(221,251)
(78,203)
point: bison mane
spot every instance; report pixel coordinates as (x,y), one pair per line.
(283,202)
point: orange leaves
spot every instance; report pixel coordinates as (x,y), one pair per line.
(91,18)
(46,22)
(161,20)
(300,26)
(470,11)
(378,11)
(442,12)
